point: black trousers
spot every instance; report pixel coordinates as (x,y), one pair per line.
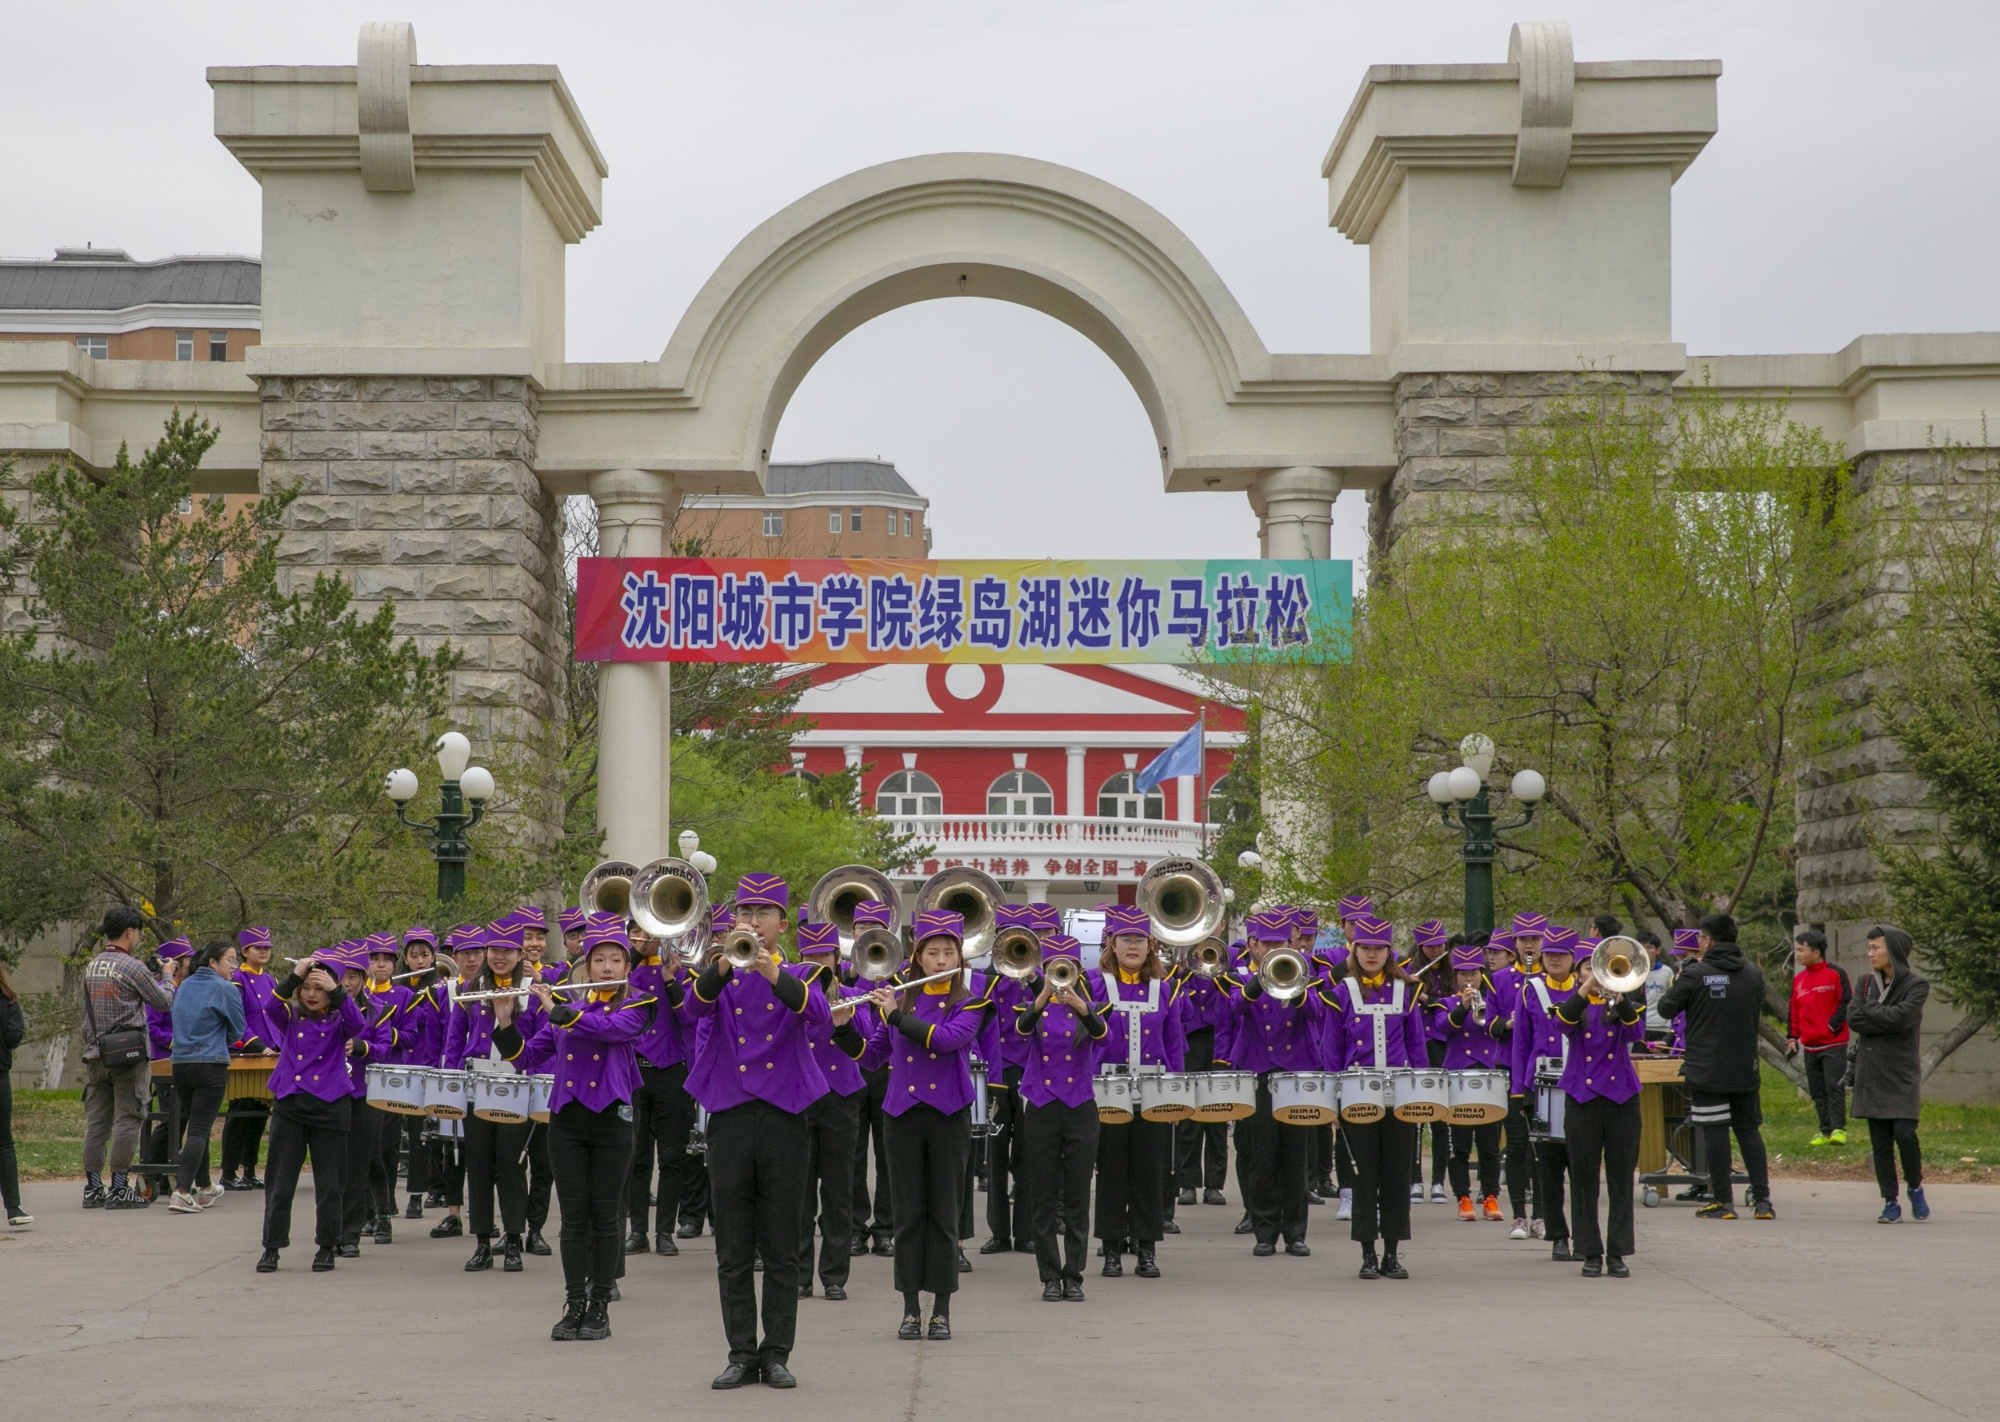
(1201,1148)
(10,1161)
(872,1212)
(1273,1170)
(1602,1133)
(1523,1188)
(292,1142)
(364,1143)
(1131,1181)
(1058,1153)
(1385,1152)
(590,1155)
(928,1151)
(155,1144)
(199,1087)
(1715,1113)
(1887,1139)
(662,1120)
(541,1179)
(831,1137)
(695,1192)
(1008,1215)
(757,1175)
(493,1165)
(417,1157)
(447,1164)
(1320,1165)
(1824,1069)
(242,1133)
(1463,1141)
(1343,1157)
(382,1169)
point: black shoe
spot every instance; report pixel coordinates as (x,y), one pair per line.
(614,1295)
(566,1327)
(1024,1246)
(1265,1248)
(126,1199)
(385,1230)
(806,1289)
(940,1331)
(255,1182)
(663,1243)
(1369,1268)
(448,1227)
(537,1245)
(857,1244)
(776,1374)
(997,1245)
(596,1322)
(911,1328)
(691,1229)
(1186,1197)
(510,1256)
(94,1196)
(1170,1227)
(1298,1249)
(834,1293)
(1559,1251)
(885,1248)
(1052,1291)
(1148,1267)
(1214,1197)
(267,1262)
(348,1251)
(322,1260)
(1243,1226)
(1392,1268)
(368,1227)
(234,1183)
(635,1242)
(415,1209)
(1313,1196)
(482,1257)
(434,1200)
(736,1374)
(1072,1291)
(1693,1192)
(1114,1267)
(964,1264)
(1615,1266)
(757,1263)
(1593,1267)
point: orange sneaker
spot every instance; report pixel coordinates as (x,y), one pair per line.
(1492,1208)
(1465,1208)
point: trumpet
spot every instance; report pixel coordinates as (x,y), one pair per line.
(1183,898)
(1620,965)
(968,891)
(1017,952)
(669,902)
(740,946)
(840,891)
(1062,973)
(876,953)
(1282,972)
(608,889)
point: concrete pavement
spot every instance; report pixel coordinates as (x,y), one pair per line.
(1820,1315)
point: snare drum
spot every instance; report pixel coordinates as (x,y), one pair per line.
(1364,1095)
(448,1094)
(1225,1095)
(1478,1098)
(1113,1092)
(1420,1093)
(982,1105)
(1167,1096)
(541,1091)
(500,1098)
(1302,1098)
(1550,1099)
(397,1089)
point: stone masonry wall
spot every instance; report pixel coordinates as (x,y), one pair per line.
(422,490)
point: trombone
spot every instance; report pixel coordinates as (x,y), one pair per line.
(1184,900)
(971,892)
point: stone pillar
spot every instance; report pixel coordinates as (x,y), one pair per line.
(1075,805)
(634,728)
(1295,511)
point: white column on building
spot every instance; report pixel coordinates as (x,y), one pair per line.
(1295,511)
(1074,804)
(1184,796)
(852,756)
(634,803)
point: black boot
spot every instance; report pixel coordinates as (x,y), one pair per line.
(510,1259)
(635,1242)
(857,1244)
(448,1227)
(596,1321)
(1392,1267)
(322,1259)
(1369,1268)
(267,1262)
(1114,1267)
(536,1244)
(1243,1226)
(663,1243)
(1149,1267)
(566,1327)
(482,1255)
(385,1230)
(415,1209)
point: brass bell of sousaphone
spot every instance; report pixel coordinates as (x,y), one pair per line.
(670,903)
(1017,952)
(1620,964)
(1183,898)
(876,953)
(608,889)
(840,891)
(975,894)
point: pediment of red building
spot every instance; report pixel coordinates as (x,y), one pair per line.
(1021,697)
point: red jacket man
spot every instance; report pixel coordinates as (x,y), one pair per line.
(1820,994)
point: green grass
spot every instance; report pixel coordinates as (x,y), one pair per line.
(48,1134)
(1959,1142)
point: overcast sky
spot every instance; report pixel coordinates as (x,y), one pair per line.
(1851,188)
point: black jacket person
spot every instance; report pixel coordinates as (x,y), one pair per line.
(1722,994)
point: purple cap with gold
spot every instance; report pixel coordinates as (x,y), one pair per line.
(1501,938)
(573,920)
(760,890)
(1530,924)
(1045,918)
(173,948)
(417,933)
(1306,921)
(818,938)
(935,923)
(1430,934)
(350,956)
(503,933)
(721,918)
(465,937)
(1269,927)
(1686,940)
(606,928)
(1014,916)
(1558,940)
(873,913)
(1586,946)
(380,943)
(1355,906)
(1468,957)
(1125,918)
(259,937)
(1061,945)
(1373,932)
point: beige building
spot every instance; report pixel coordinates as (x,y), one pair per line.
(115,308)
(829,508)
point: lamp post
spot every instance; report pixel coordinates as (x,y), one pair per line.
(691,850)
(1466,787)
(462,785)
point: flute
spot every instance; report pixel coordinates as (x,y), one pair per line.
(525,989)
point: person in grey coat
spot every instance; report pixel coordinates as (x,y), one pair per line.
(1886,1020)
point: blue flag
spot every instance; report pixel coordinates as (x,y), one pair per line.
(1183,757)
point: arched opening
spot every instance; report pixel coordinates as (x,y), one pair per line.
(1121,799)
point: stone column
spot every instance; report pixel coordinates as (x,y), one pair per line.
(1295,511)
(634,728)
(1075,805)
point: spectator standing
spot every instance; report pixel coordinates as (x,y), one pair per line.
(116,991)
(1887,1019)
(1818,1027)
(1722,993)
(13,1032)
(208,1016)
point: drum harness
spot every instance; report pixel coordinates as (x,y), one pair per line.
(1379,1013)
(1133,1009)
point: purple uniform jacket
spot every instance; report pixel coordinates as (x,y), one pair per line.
(1009,995)
(753,1046)
(1536,1033)
(1600,1052)
(842,1072)
(1062,1052)
(1392,1037)
(1469,1043)
(377,1043)
(1162,1042)
(312,1051)
(664,1043)
(259,993)
(590,1049)
(1275,1036)
(159,1030)
(469,1034)
(926,1047)
(420,1027)
(1203,1003)
(397,996)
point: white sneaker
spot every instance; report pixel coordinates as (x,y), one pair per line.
(1520,1229)
(1346,1210)
(1417,1191)
(208,1195)
(1439,1195)
(18,1218)
(183,1204)
(1538,1230)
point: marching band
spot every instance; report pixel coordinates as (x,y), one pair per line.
(691,1045)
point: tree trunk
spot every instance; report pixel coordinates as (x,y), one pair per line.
(1969,1026)
(52,1064)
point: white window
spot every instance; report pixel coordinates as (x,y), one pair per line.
(854,520)
(1218,803)
(774,523)
(907,794)
(906,525)
(98,347)
(218,345)
(1120,799)
(1021,793)
(183,345)
(186,505)
(833,520)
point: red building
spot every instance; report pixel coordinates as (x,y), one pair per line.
(1027,772)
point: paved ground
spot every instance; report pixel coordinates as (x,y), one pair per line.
(1821,1315)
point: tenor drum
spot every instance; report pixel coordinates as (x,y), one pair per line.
(398,1089)
(1478,1098)
(1225,1095)
(1420,1093)
(1364,1095)
(541,1091)
(982,1103)
(1169,1096)
(500,1098)
(447,1094)
(1114,1098)
(1550,1099)
(1303,1098)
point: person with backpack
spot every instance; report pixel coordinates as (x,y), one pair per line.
(1722,993)
(1818,1028)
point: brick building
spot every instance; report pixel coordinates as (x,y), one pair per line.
(828,508)
(115,308)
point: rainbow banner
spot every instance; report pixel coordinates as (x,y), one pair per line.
(910,610)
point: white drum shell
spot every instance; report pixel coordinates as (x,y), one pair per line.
(499,1098)
(1303,1098)
(448,1094)
(541,1094)
(1364,1095)
(1167,1096)
(1478,1098)
(1225,1095)
(1113,1094)
(1420,1093)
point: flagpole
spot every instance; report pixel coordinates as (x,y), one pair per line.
(1201,778)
